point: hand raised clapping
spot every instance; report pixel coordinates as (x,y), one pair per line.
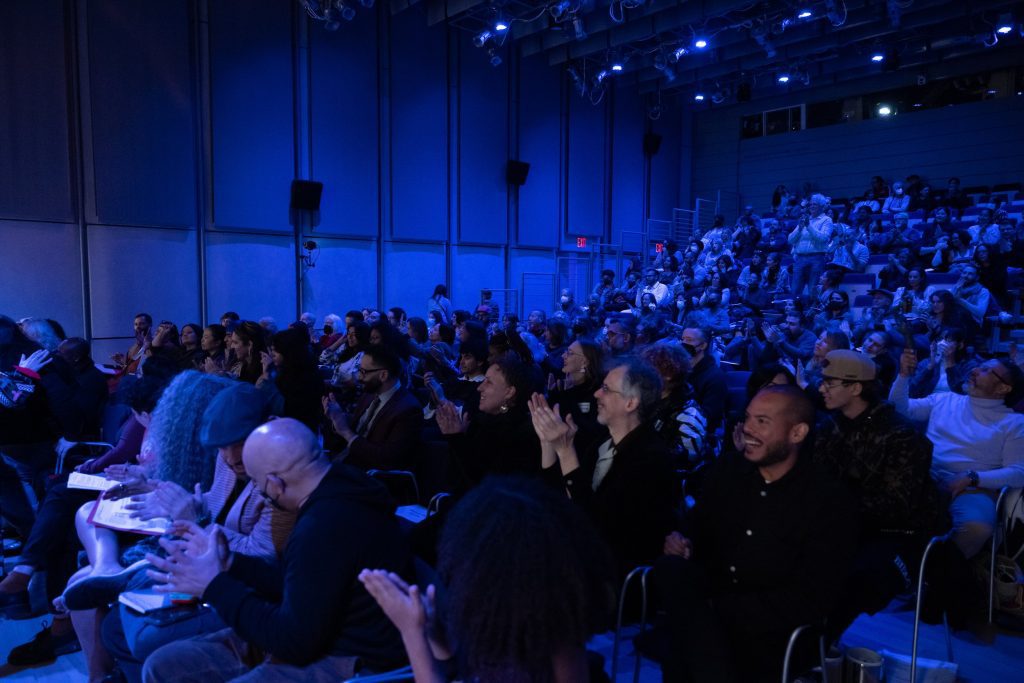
(550,427)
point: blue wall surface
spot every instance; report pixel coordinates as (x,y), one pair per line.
(148,149)
(979,143)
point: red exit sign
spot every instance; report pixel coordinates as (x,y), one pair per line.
(659,247)
(581,242)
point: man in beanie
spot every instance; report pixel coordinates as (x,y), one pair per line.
(885,463)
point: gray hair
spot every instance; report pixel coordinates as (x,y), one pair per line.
(640,381)
(819,199)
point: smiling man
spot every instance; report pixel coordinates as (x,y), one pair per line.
(765,550)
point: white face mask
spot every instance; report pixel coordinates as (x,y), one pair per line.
(899,190)
(565,299)
(652,306)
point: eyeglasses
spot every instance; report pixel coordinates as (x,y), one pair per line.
(998,376)
(608,390)
(833,382)
(363,372)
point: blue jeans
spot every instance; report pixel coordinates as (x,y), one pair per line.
(807,268)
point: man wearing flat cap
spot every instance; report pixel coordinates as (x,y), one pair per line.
(885,462)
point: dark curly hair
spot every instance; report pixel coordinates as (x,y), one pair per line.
(527,577)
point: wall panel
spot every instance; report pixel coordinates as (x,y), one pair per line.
(419,127)
(253,275)
(142,106)
(627,190)
(473,269)
(411,272)
(345,126)
(665,167)
(35,173)
(587,190)
(141,269)
(540,145)
(483,147)
(531,261)
(345,278)
(53,291)
(252,117)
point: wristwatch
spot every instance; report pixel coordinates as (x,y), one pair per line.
(972,477)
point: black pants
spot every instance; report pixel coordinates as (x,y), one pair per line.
(53,543)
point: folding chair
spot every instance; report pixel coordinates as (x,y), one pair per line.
(1006,493)
(642,572)
(791,645)
(919,601)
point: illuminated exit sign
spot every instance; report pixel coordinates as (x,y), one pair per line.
(581,242)
(658,247)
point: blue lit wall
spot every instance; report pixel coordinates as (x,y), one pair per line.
(146,152)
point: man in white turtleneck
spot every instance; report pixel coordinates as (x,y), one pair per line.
(978,439)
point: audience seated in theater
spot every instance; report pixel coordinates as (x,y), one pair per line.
(790,343)
(171,452)
(506,613)
(986,230)
(52,544)
(624,484)
(676,417)
(970,295)
(620,334)
(383,430)
(290,381)
(706,378)
(947,366)
(836,314)
(923,199)
(884,461)
(952,252)
(992,273)
(878,316)
(893,274)
(711,312)
(247,343)
(499,438)
(912,299)
(214,346)
(765,549)
(128,362)
(308,613)
(584,362)
(954,199)
(250,524)
(897,201)
(848,250)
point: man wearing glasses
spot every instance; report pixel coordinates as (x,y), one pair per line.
(885,463)
(979,442)
(384,428)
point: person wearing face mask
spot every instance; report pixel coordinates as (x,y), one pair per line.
(897,201)
(836,316)
(706,378)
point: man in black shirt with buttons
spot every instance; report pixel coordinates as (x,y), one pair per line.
(765,551)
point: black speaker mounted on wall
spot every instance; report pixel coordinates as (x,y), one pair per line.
(516,172)
(305,201)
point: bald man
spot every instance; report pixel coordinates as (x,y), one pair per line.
(309,615)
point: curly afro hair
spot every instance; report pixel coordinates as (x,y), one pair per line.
(527,577)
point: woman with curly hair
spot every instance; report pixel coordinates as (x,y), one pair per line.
(172,451)
(526,581)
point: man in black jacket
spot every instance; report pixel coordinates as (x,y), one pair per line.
(766,551)
(884,461)
(625,484)
(309,618)
(706,378)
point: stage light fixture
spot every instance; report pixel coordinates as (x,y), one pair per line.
(1005,24)
(500,25)
(347,13)
(560,9)
(578,28)
(699,97)
(783,78)
(760,35)
(679,52)
(481,38)
(877,57)
(578,81)
(700,43)
(884,110)
(805,13)
(495,57)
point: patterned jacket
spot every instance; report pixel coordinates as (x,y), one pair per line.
(885,462)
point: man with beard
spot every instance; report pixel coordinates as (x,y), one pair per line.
(384,429)
(765,550)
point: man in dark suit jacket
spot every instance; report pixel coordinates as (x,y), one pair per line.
(385,427)
(626,484)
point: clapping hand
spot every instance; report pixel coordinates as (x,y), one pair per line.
(404,605)
(192,564)
(449,419)
(36,361)
(678,545)
(167,500)
(549,426)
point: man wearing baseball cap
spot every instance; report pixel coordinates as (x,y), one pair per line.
(885,462)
